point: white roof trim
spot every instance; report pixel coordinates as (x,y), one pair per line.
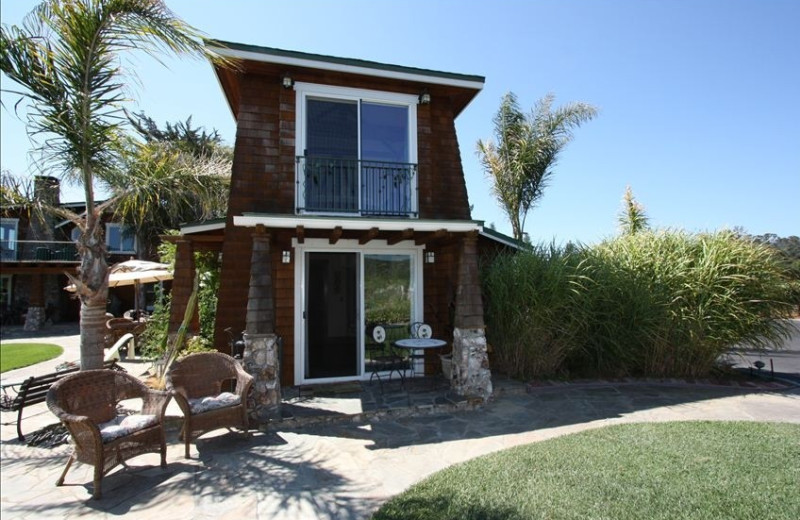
(201,228)
(359,224)
(351,69)
(506,242)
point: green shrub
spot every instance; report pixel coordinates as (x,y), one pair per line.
(154,339)
(652,303)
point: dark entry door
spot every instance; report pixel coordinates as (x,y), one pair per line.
(332,315)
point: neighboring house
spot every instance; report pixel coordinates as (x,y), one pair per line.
(348,208)
(35,254)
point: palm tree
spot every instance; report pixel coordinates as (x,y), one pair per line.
(66,58)
(521,163)
(159,186)
(632,217)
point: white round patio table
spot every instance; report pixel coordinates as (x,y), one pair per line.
(417,346)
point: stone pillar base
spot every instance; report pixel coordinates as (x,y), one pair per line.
(261,360)
(471,374)
(35,318)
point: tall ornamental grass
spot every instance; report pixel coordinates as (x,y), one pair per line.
(659,304)
(534,310)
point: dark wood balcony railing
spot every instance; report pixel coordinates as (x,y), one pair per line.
(38,251)
(351,186)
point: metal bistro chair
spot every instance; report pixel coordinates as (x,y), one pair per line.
(422,330)
(382,356)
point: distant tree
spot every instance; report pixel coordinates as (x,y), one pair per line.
(788,249)
(66,56)
(182,135)
(632,217)
(520,162)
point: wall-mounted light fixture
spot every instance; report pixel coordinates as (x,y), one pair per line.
(287,81)
(286,257)
(430,257)
(425,97)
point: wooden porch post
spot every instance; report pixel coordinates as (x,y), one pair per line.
(471,374)
(182,286)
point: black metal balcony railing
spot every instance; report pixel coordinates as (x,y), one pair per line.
(38,251)
(376,188)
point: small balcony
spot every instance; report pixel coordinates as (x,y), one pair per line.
(38,251)
(327,185)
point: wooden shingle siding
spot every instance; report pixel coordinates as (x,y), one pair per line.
(264,181)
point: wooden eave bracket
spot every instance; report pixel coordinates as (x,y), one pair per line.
(336,234)
(439,234)
(406,234)
(368,236)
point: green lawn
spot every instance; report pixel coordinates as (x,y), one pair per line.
(697,470)
(16,355)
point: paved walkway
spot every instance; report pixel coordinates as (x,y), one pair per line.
(345,470)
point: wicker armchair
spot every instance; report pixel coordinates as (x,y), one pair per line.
(86,403)
(118,327)
(196,382)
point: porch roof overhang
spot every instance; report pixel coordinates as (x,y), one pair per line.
(365,228)
(355,223)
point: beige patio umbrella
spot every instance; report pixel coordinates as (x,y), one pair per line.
(134,272)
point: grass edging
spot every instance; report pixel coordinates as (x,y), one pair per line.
(652,470)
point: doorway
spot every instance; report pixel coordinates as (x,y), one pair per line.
(332,315)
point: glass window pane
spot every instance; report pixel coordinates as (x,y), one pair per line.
(384,132)
(386,185)
(8,239)
(332,128)
(119,239)
(388,289)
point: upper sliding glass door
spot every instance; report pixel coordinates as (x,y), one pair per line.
(356,157)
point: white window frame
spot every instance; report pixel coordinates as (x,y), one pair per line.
(305,90)
(320,245)
(122,228)
(15,241)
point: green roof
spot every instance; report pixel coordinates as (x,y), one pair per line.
(282,55)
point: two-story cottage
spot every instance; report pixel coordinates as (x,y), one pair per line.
(348,207)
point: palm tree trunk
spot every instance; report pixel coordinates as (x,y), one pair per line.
(94,278)
(93,324)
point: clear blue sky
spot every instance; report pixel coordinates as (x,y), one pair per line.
(699,99)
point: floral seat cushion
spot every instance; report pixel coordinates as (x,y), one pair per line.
(205,404)
(124,425)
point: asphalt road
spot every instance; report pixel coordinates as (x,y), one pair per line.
(785,362)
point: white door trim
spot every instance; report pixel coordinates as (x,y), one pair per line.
(314,245)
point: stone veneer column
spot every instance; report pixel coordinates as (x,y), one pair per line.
(261,357)
(35,317)
(471,374)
